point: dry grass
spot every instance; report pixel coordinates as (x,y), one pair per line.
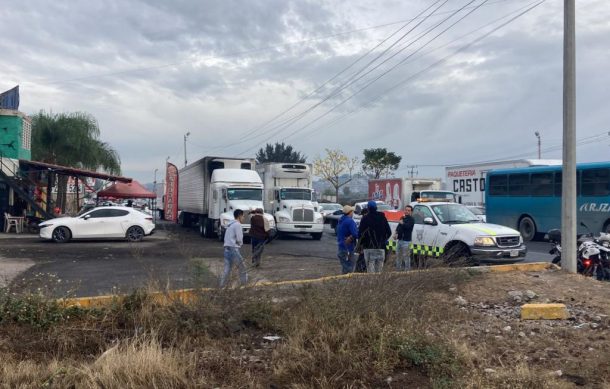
(384,331)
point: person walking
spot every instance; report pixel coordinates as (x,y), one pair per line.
(234,239)
(402,236)
(347,234)
(258,236)
(374,232)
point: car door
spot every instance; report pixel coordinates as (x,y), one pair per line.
(92,224)
(424,235)
(117,222)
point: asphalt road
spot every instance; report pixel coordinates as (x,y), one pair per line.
(172,258)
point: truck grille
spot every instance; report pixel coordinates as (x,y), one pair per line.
(302,215)
(508,241)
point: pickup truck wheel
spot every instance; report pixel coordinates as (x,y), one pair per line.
(458,254)
(527,228)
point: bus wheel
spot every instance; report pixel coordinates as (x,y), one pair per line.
(527,228)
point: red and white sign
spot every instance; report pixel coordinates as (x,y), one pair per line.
(388,191)
(171,194)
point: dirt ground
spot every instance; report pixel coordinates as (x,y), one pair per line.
(577,350)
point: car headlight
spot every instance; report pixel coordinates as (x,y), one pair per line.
(283,219)
(520,240)
(484,241)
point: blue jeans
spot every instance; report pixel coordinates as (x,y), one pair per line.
(347,261)
(403,255)
(374,260)
(233,257)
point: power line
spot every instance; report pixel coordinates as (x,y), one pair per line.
(387,71)
(434,64)
(236,53)
(249,136)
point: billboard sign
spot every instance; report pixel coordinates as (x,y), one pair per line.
(387,190)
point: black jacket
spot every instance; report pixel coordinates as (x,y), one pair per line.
(404,230)
(374,230)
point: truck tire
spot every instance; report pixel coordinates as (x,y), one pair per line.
(209,228)
(457,254)
(203,221)
(185,219)
(316,235)
(527,228)
(221,234)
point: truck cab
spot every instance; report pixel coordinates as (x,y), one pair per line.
(289,197)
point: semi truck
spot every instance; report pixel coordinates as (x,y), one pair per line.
(469,180)
(289,197)
(399,192)
(212,188)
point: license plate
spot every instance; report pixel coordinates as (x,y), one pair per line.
(514,253)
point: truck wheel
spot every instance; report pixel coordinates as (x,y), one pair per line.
(203,222)
(209,228)
(316,235)
(185,219)
(221,234)
(527,228)
(458,254)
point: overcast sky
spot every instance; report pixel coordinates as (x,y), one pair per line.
(445,93)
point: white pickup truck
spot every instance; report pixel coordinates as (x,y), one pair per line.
(451,230)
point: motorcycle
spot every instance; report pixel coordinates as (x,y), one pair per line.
(593,254)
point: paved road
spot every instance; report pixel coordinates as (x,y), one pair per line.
(175,258)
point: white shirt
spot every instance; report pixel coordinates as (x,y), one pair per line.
(234,236)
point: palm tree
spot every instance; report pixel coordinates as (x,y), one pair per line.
(71,139)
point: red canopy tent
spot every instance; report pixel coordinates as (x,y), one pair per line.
(131,190)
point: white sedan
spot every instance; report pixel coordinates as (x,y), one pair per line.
(101,222)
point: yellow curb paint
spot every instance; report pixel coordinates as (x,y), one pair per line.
(189,295)
(544,312)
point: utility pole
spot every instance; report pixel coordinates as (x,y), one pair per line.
(539,152)
(412,171)
(154,210)
(568,190)
(185,136)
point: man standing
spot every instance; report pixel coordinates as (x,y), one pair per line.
(404,230)
(374,232)
(258,236)
(347,233)
(234,238)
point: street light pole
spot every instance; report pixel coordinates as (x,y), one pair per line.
(185,136)
(539,152)
(568,190)
(154,210)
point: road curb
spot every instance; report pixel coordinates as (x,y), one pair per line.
(189,295)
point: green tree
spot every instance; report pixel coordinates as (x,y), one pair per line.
(71,139)
(279,152)
(336,168)
(378,162)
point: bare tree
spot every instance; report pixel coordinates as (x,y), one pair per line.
(334,167)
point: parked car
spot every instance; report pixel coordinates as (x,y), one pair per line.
(327,209)
(99,223)
(479,212)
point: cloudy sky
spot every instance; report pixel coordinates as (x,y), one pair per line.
(438,82)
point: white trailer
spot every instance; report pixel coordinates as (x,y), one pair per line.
(399,192)
(212,188)
(469,180)
(290,199)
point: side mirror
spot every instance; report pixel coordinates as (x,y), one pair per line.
(429,220)
(87,217)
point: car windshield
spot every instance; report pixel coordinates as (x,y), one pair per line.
(476,210)
(330,207)
(295,194)
(454,213)
(440,196)
(245,194)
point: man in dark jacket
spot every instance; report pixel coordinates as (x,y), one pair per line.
(402,236)
(258,236)
(374,232)
(347,234)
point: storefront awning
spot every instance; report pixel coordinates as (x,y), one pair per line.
(70,171)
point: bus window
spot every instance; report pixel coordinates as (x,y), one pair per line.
(595,182)
(498,185)
(519,184)
(542,184)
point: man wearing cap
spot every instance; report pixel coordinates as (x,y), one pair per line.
(347,233)
(374,232)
